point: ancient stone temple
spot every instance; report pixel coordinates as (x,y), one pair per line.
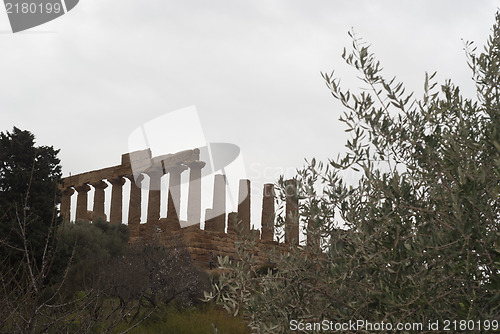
(221,228)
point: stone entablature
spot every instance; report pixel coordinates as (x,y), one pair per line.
(140,161)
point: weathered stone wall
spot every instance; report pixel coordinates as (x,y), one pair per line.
(204,246)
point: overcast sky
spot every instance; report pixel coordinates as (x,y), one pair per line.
(85,81)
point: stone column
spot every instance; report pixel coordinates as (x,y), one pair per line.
(219,202)
(244,205)
(115,215)
(81,202)
(99,187)
(313,234)
(134,206)
(292,212)
(154,199)
(194,195)
(174,192)
(209,220)
(66,204)
(267,221)
(217,215)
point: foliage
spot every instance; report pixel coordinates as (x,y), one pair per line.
(29,176)
(138,284)
(94,244)
(92,281)
(28,303)
(416,237)
(156,274)
(75,277)
(26,169)
(34,292)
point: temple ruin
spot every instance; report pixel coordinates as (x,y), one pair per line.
(220,231)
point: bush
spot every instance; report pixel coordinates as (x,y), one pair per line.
(88,246)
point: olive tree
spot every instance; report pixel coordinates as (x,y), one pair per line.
(416,237)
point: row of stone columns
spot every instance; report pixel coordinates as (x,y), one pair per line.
(215,218)
(154,200)
(240,221)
